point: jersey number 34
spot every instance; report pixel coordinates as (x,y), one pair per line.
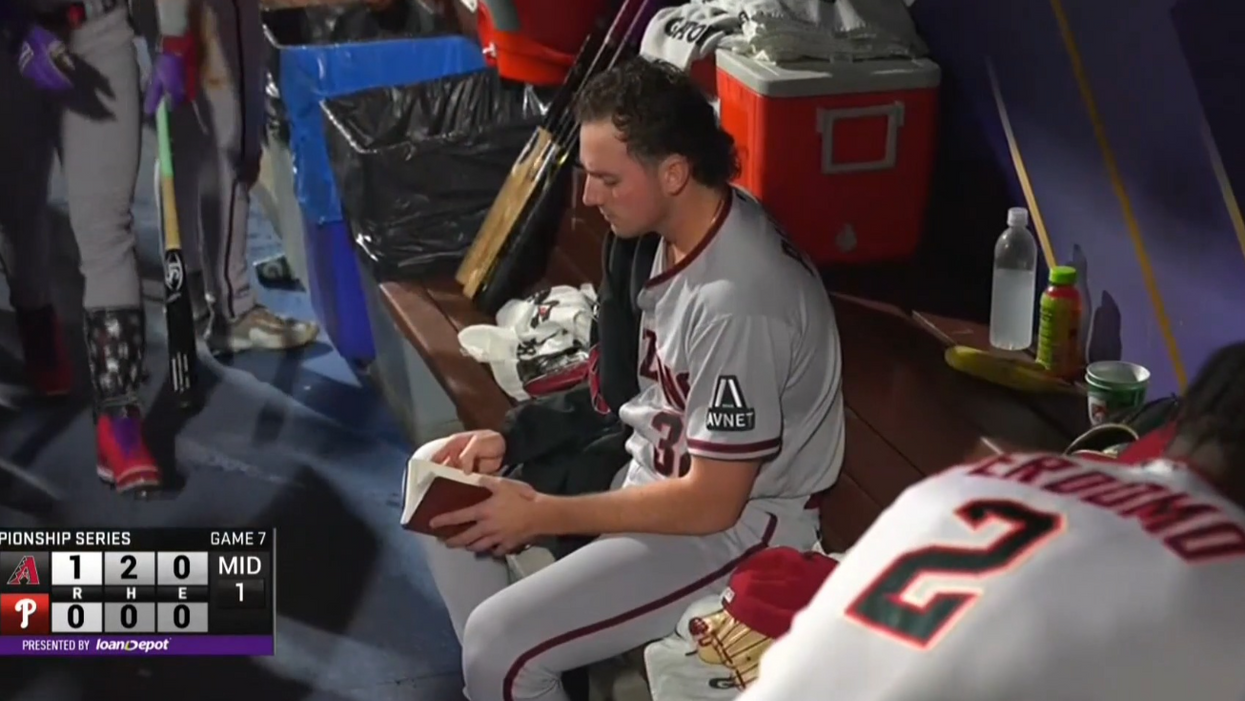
(951,575)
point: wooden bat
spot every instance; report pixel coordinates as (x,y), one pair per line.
(526,250)
(546,152)
(507,208)
(178,316)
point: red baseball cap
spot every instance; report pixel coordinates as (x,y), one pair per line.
(770,587)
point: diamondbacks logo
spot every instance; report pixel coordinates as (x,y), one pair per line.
(26,572)
(729,411)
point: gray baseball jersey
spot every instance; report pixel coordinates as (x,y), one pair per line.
(1036,577)
(739,360)
(739,345)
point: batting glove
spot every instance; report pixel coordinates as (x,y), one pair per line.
(174,74)
(44,61)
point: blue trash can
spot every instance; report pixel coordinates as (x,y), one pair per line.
(309,75)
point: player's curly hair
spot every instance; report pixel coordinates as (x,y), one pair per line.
(660,112)
(1213,408)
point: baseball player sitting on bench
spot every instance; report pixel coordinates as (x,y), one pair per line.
(737,425)
(1045,577)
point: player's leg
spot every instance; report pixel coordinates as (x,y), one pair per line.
(99,156)
(463,578)
(26,149)
(610,596)
(189,143)
(233,85)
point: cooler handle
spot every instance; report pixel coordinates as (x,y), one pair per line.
(894,114)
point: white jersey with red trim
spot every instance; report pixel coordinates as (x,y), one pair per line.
(1030,578)
(739,360)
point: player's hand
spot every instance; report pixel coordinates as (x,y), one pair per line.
(473,451)
(174,73)
(503,523)
(44,61)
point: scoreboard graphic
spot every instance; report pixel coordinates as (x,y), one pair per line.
(179,591)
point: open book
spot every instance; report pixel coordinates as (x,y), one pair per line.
(432,490)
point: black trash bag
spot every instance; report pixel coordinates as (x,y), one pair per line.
(417,167)
(337,24)
(340,24)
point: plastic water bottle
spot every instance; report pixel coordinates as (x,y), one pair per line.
(1015,284)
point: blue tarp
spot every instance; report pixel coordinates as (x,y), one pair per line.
(310,74)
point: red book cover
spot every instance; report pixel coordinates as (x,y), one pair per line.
(432,490)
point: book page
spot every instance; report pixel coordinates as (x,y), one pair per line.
(419,476)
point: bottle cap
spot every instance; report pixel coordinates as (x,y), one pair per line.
(1063,275)
(1017,216)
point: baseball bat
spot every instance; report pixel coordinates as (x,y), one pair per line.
(178,316)
(544,154)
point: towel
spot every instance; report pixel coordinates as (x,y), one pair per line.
(683,34)
(539,344)
(787,30)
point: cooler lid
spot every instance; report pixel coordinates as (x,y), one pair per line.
(815,78)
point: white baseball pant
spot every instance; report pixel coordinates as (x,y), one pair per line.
(612,595)
(216,145)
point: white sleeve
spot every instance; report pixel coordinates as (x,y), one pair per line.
(739,368)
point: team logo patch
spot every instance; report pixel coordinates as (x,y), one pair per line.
(729,411)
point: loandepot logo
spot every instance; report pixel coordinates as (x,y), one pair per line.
(143,646)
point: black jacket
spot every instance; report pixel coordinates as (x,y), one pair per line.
(572,442)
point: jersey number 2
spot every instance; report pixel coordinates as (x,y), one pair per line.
(883,608)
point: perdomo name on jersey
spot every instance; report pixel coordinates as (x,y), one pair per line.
(1194,530)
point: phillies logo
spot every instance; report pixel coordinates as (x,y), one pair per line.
(25,614)
(25,573)
(26,608)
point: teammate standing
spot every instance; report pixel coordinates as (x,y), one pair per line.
(737,424)
(1045,577)
(43,61)
(210,53)
(94,126)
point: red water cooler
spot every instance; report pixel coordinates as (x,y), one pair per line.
(535,41)
(841,154)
